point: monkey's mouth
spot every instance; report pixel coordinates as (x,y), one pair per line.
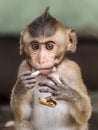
(47,69)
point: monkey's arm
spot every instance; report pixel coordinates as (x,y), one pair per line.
(22,98)
(20,104)
(74,93)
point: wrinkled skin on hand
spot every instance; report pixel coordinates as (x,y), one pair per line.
(27,80)
(60,90)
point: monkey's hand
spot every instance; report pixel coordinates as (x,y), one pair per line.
(28,79)
(60,90)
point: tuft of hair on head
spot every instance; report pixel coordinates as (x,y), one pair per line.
(46,13)
(45,17)
(43,25)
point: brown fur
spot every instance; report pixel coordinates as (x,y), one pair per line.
(73,108)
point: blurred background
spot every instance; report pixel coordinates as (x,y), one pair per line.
(82,16)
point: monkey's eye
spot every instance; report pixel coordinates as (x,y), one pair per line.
(49,45)
(35,46)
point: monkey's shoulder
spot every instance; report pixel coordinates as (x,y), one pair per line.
(72,73)
(69,66)
(24,66)
(69,69)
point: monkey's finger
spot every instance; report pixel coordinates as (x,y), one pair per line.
(50,98)
(55,81)
(26,77)
(31,81)
(62,80)
(50,85)
(29,86)
(25,73)
(47,90)
(56,97)
(43,90)
(65,84)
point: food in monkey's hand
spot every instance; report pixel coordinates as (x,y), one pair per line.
(35,73)
(50,103)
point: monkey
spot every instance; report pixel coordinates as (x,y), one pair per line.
(47,73)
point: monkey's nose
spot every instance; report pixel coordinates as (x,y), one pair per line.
(41,62)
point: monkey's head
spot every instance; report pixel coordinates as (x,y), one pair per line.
(45,42)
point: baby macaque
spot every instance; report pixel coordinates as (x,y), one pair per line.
(49,93)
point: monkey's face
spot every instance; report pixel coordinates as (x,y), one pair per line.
(45,41)
(44,53)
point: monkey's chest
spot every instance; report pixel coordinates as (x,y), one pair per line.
(47,118)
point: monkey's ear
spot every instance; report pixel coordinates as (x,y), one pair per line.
(72,38)
(21,43)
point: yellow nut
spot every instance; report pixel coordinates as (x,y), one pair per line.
(50,103)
